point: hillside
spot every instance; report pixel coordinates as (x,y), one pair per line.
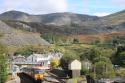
(65,18)
(16,37)
(68,24)
(115,19)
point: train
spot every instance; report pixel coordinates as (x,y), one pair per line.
(35,72)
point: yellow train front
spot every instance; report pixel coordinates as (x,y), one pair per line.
(39,74)
(36,73)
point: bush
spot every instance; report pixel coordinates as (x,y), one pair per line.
(3,70)
(55,63)
(3,64)
(104,70)
(75,41)
(120,73)
(28,50)
(67,58)
(84,71)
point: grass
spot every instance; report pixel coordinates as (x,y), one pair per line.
(1,35)
(75,80)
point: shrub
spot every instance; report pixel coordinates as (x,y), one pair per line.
(3,64)
(55,63)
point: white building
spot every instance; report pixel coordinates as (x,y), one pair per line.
(18,58)
(42,60)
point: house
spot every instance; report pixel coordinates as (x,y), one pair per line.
(42,60)
(18,58)
(14,63)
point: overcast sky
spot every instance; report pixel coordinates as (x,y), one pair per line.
(91,7)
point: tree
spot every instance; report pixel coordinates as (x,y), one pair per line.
(103,70)
(94,54)
(100,58)
(3,64)
(75,41)
(67,58)
(103,58)
(55,63)
(122,58)
(52,38)
(85,71)
(28,50)
(119,59)
(91,54)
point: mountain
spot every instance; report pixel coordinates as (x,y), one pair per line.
(65,18)
(64,23)
(14,37)
(68,24)
(14,15)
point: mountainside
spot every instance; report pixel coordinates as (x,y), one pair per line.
(53,19)
(116,18)
(14,37)
(69,24)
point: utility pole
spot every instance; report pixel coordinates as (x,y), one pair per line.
(105,68)
(94,71)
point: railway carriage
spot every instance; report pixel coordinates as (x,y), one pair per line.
(35,72)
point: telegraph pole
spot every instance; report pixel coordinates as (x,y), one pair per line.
(94,71)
